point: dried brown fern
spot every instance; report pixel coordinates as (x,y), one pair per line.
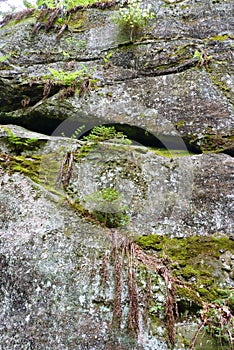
(135,255)
(51,19)
(47,87)
(171,310)
(61,31)
(68,173)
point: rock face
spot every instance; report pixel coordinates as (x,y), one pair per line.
(67,281)
(152,81)
(108,245)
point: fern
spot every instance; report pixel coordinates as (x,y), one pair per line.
(66,78)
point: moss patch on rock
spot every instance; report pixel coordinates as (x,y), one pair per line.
(196,260)
(28,166)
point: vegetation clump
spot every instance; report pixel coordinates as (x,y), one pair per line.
(28,166)
(65,4)
(103,133)
(80,81)
(203,59)
(134,17)
(107,206)
(20,144)
(194,261)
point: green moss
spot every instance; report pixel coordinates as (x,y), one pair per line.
(77,21)
(152,241)
(28,19)
(188,271)
(180,123)
(190,294)
(220,37)
(173,153)
(194,258)
(28,166)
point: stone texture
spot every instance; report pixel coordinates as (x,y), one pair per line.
(52,254)
(153,82)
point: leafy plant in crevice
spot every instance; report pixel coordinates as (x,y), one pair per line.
(51,13)
(100,134)
(202,57)
(57,14)
(106,205)
(134,17)
(70,83)
(103,133)
(65,4)
(20,144)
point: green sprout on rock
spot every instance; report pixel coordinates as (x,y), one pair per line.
(103,133)
(202,58)
(20,144)
(107,207)
(80,81)
(133,18)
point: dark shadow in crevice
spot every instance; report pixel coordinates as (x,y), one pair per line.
(36,122)
(229,152)
(57,125)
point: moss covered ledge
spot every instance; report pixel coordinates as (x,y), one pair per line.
(204,263)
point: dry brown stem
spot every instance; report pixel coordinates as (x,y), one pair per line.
(67,176)
(62,30)
(51,19)
(133,314)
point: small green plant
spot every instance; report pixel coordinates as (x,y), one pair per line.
(19,144)
(134,17)
(202,57)
(107,207)
(107,57)
(70,82)
(66,78)
(67,4)
(76,133)
(106,60)
(28,4)
(106,133)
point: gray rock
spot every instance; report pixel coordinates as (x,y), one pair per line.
(153,82)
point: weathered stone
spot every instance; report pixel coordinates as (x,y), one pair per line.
(66,280)
(152,82)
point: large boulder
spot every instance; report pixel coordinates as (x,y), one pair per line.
(153,81)
(115,246)
(68,281)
